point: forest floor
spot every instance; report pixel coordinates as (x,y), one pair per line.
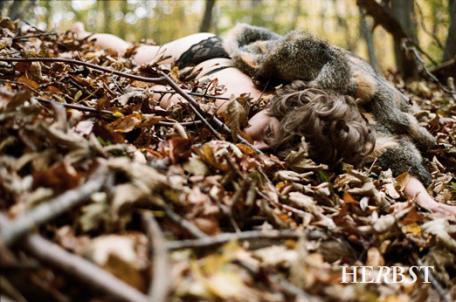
(104,195)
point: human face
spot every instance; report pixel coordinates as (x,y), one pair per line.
(263,128)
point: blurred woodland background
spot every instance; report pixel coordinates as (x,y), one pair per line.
(375,30)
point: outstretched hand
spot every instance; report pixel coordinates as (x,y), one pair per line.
(415,189)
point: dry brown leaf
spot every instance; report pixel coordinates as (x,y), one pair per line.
(28,82)
(236,114)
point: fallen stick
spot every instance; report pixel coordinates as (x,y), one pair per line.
(184,223)
(226,237)
(429,73)
(193,104)
(76,107)
(193,94)
(87,272)
(86,64)
(53,208)
(110,113)
(434,281)
(161,278)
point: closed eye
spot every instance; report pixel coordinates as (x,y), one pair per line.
(268,132)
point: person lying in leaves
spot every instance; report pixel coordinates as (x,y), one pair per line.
(366,119)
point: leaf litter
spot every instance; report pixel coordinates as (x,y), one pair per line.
(237,225)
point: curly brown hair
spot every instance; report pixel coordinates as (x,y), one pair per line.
(331,124)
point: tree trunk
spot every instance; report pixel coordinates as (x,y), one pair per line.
(145,20)
(207,17)
(122,29)
(296,14)
(78,15)
(435,18)
(343,25)
(48,6)
(107,17)
(404,12)
(15,10)
(2,6)
(157,27)
(256,13)
(366,33)
(450,46)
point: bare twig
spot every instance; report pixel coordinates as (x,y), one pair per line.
(430,75)
(445,70)
(171,123)
(25,37)
(109,113)
(226,237)
(425,29)
(76,266)
(217,121)
(76,106)
(53,208)
(417,261)
(184,223)
(193,104)
(193,94)
(434,282)
(161,279)
(86,64)
(290,288)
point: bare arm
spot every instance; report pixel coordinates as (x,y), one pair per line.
(415,189)
(144,53)
(104,41)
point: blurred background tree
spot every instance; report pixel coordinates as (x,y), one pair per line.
(352,24)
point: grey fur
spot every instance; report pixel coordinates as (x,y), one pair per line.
(405,157)
(268,57)
(295,56)
(300,56)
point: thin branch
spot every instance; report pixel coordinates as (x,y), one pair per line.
(171,123)
(290,288)
(434,282)
(217,121)
(164,77)
(53,208)
(226,237)
(417,261)
(161,279)
(167,123)
(25,37)
(193,94)
(418,48)
(87,272)
(86,64)
(445,70)
(430,75)
(425,29)
(184,223)
(75,106)
(194,105)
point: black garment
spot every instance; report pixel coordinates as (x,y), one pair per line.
(207,49)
